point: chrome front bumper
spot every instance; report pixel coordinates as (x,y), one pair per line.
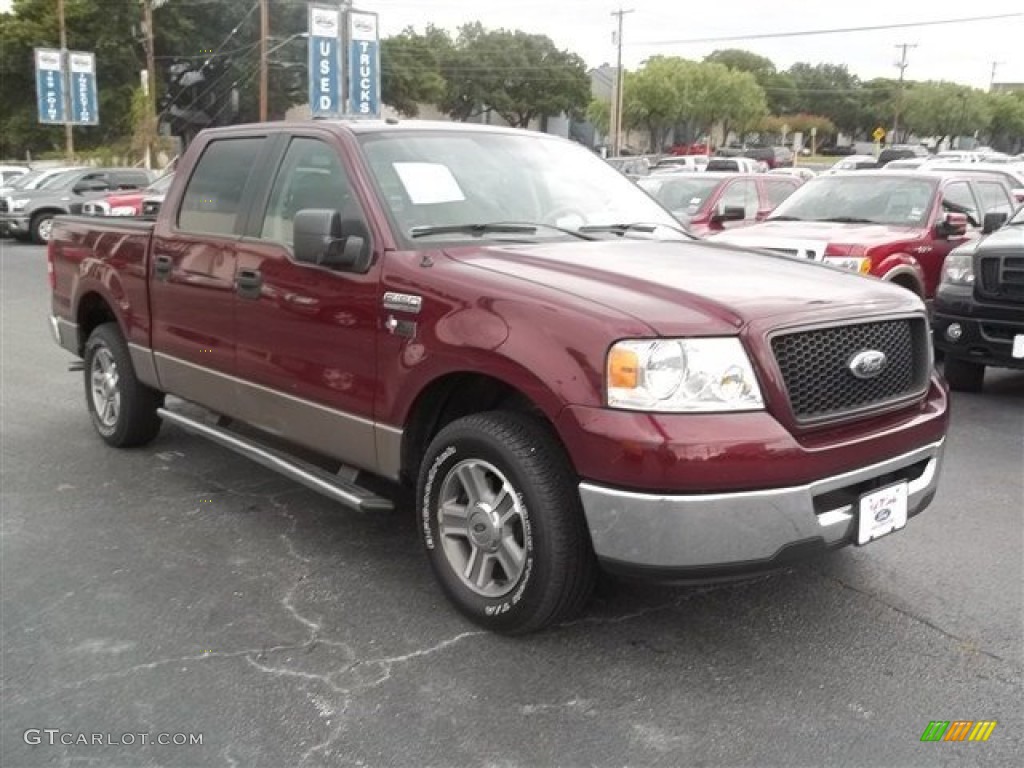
(742,531)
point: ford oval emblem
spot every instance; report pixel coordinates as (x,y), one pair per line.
(883,515)
(868,364)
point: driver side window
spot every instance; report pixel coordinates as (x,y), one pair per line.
(958,198)
(310,176)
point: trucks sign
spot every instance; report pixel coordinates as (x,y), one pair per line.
(324,61)
(50,86)
(364,64)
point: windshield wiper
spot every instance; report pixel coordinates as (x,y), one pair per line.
(847,220)
(492,228)
(636,226)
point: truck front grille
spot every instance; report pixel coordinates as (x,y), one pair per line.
(3,205)
(816,366)
(1001,278)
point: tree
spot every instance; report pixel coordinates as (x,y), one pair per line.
(518,75)
(599,112)
(657,96)
(944,110)
(829,90)
(878,99)
(411,69)
(1007,128)
(779,88)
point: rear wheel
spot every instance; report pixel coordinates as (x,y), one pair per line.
(502,523)
(962,375)
(123,410)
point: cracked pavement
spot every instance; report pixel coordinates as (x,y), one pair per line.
(181,588)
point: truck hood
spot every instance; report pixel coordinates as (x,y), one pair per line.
(1007,238)
(808,239)
(688,288)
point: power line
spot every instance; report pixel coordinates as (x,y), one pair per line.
(834,31)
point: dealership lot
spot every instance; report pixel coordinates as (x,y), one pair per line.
(180,589)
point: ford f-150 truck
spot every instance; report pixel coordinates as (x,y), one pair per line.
(979,309)
(502,322)
(896,226)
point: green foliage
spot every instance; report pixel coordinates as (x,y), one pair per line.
(411,65)
(941,109)
(829,90)
(599,112)
(1007,120)
(779,88)
(669,90)
(518,75)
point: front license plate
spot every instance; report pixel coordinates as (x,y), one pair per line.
(882,512)
(1018,345)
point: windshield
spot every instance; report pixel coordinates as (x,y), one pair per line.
(453,178)
(20,182)
(871,199)
(683,195)
(60,180)
(161,185)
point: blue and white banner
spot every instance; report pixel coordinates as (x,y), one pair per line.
(50,86)
(325,75)
(363,65)
(84,100)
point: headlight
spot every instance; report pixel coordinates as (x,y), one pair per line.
(862,266)
(17,205)
(682,375)
(958,269)
(123,210)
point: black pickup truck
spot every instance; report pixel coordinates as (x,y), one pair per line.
(979,307)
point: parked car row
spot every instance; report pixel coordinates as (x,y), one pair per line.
(28,213)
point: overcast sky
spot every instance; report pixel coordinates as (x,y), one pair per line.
(960,52)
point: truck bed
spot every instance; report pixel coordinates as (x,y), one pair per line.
(108,252)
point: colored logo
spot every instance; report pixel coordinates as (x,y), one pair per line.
(959,730)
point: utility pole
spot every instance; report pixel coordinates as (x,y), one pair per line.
(264,35)
(151,118)
(69,140)
(617,128)
(992,80)
(902,64)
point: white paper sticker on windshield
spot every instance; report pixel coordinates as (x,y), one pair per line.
(429,183)
(695,201)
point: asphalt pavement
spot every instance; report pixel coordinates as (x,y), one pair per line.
(182,590)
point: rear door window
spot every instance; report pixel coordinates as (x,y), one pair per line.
(213,197)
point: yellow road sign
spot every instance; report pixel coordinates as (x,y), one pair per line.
(879,133)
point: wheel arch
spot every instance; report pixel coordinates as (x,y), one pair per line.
(452,396)
(93,310)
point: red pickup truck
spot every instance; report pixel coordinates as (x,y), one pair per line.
(500,321)
(893,225)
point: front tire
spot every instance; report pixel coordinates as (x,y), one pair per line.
(501,520)
(123,410)
(962,375)
(42,228)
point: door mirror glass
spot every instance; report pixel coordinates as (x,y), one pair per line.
(321,237)
(953,224)
(992,222)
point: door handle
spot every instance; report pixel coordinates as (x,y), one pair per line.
(248,283)
(162,265)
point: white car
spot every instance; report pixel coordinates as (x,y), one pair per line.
(681,163)
(851,163)
(1012,174)
(9,173)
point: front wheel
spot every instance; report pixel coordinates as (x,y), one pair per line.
(122,408)
(501,519)
(963,375)
(42,228)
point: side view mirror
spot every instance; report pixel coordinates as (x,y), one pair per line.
(952,224)
(992,222)
(321,237)
(729,213)
(1018,194)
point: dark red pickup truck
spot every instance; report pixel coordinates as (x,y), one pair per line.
(502,322)
(898,226)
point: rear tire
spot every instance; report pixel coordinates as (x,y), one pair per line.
(123,410)
(502,523)
(962,375)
